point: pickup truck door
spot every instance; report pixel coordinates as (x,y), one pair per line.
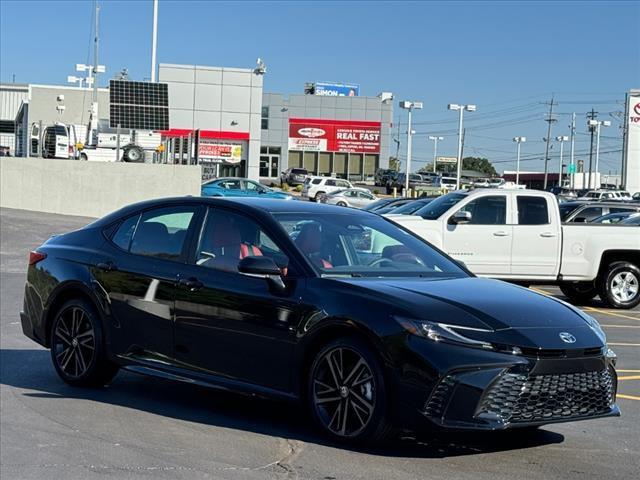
(536,237)
(483,244)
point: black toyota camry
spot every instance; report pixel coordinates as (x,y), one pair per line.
(371,327)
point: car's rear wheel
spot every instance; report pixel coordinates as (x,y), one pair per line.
(347,393)
(620,285)
(77,346)
(318,195)
(341,204)
(579,292)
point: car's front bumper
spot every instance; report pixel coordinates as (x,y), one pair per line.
(470,389)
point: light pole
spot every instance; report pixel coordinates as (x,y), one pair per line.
(598,124)
(461,108)
(435,149)
(561,139)
(518,140)
(409,106)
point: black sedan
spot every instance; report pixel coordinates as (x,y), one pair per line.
(369,326)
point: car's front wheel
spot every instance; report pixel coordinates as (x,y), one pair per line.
(77,346)
(620,285)
(347,393)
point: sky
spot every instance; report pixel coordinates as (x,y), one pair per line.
(509,58)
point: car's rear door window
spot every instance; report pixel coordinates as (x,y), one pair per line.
(162,232)
(532,210)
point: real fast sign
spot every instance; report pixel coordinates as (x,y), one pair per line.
(334,136)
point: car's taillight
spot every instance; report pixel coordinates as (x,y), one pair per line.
(35,257)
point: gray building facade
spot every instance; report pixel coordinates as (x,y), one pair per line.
(347,137)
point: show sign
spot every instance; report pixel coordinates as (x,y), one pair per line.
(220,152)
(334,136)
(336,89)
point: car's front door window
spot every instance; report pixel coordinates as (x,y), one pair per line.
(490,210)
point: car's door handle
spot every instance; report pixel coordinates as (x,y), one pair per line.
(192,284)
(547,234)
(501,233)
(107,266)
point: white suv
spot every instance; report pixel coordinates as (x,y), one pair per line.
(314,186)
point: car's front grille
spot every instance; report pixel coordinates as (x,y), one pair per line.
(518,398)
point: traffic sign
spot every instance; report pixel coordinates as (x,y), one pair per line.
(572,168)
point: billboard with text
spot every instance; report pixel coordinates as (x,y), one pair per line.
(334,135)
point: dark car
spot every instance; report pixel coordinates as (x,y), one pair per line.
(294,176)
(411,207)
(399,182)
(581,212)
(366,324)
(383,202)
(382,176)
(391,206)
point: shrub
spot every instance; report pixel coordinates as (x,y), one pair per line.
(298,188)
(376,191)
(272,184)
(285,187)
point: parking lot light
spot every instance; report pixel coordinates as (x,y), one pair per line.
(518,140)
(407,105)
(435,141)
(461,108)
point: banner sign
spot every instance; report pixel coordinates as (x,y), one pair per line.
(336,89)
(447,160)
(221,152)
(334,136)
(631,167)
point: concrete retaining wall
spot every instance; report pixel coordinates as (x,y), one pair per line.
(90,189)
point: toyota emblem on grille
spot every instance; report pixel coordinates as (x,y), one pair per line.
(566,337)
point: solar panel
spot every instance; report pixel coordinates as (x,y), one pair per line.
(138,105)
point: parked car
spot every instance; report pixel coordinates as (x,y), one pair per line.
(411,207)
(314,187)
(636,196)
(368,326)
(399,182)
(632,220)
(583,212)
(380,203)
(601,195)
(351,197)
(613,218)
(397,203)
(382,176)
(240,187)
(518,235)
(293,176)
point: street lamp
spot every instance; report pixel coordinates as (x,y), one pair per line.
(561,139)
(598,124)
(461,108)
(435,149)
(518,140)
(409,106)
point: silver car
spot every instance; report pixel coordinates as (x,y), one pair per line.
(350,197)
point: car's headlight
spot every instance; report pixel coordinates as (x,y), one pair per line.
(443,332)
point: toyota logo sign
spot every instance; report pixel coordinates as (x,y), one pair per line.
(636,108)
(311,132)
(566,337)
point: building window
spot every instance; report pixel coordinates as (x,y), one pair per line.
(264,121)
(7,126)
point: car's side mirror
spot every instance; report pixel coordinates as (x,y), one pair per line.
(461,217)
(262,267)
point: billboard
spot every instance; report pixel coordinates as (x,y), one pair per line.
(336,89)
(334,136)
(631,171)
(220,152)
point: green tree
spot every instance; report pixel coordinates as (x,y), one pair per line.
(478,164)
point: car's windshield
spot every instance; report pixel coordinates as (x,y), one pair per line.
(566,209)
(363,245)
(437,207)
(411,207)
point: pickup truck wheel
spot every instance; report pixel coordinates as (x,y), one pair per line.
(579,292)
(620,285)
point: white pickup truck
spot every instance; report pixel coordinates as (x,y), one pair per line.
(517,235)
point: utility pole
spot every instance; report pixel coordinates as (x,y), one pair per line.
(573,138)
(592,115)
(549,120)
(95,58)
(154,40)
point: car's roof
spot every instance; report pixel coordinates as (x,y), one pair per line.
(250,204)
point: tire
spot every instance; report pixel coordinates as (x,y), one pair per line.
(83,157)
(360,391)
(620,285)
(77,346)
(133,154)
(317,197)
(341,204)
(579,292)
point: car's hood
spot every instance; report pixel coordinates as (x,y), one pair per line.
(518,315)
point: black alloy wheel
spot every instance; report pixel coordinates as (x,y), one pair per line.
(76,346)
(347,393)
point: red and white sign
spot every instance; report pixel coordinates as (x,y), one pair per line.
(334,135)
(220,151)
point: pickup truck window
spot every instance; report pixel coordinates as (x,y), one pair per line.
(532,210)
(487,210)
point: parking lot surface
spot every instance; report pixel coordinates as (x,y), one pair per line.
(142,427)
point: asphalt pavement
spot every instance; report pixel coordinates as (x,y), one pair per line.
(142,427)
